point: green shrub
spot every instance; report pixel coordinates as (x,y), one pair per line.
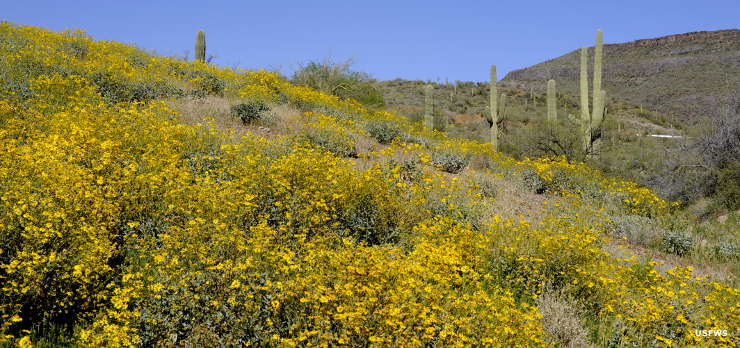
(727,250)
(337,79)
(543,140)
(410,171)
(450,162)
(249,112)
(532,182)
(561,182)
(412,139)
(727,191)
(677,243)
(384,132)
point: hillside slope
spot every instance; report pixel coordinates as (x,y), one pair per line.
(687,76)
(148,201)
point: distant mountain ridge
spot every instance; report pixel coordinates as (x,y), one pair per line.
(686,75)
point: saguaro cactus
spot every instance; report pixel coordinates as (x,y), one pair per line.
(200,46)
(493,118)
(440,121)
(428,104)
(531,95)
(552,114)
(591,122)
(598,49)
(585,114)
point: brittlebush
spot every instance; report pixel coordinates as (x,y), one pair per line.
(121,226)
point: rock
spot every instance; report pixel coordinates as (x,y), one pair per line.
(723,218)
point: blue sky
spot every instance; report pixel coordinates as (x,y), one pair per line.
(388,39)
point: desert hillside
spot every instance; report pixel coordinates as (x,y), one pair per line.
(687,76)
(671,114)
(153,201)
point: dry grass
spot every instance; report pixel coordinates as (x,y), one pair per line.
(513,202)
(562,321)
(194,110)
(281,119)
(702,265)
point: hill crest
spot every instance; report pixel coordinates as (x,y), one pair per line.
(688,76)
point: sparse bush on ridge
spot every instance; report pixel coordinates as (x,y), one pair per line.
(337,79)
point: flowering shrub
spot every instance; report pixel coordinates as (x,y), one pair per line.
(330,134)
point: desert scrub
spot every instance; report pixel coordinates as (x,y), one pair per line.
(384,132)
(123,227)
(533,182)
(329,134)
(727,250)
(678,243)
(562,320)
(249,112)
(206,82)
(339,80)
(485,185)
(636,229)
(449,161)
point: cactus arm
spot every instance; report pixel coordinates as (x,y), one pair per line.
(597,122)
(501,108)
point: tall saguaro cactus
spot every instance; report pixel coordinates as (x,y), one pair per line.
(494,109)
(585,114)
(592,121)
(428,104)
(552,113)
(200,46)
(598,49)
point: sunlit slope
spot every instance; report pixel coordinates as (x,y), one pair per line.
(121,225)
